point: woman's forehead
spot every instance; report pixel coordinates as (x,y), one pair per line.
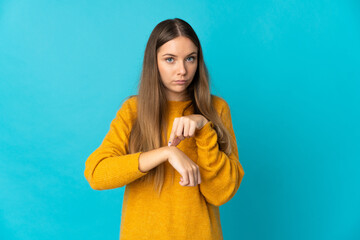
(178,46)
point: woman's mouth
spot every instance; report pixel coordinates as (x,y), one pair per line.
(180,81)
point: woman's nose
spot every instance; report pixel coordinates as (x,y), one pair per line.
(182,68)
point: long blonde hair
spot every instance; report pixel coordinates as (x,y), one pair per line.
(150,123)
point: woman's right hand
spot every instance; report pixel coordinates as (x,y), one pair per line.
(185,166)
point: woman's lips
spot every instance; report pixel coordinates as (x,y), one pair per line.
(180,81)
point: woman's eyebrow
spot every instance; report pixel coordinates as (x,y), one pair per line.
(175,55)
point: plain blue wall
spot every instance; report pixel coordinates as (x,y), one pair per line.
(288,69)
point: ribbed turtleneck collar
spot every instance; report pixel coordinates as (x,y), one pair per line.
(177,105)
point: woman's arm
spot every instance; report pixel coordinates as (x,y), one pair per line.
(149,160)
(221,174)
(110,165)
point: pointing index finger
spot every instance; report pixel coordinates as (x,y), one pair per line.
(172,134)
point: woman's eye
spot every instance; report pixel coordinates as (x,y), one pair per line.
(192,59)
(168,59)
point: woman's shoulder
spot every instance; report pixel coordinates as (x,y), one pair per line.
(131,99)
(130,102)
(219,103)
(128,106)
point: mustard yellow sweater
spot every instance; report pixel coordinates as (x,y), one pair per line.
(181,212)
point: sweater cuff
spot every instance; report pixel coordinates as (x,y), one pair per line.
(134,166)
(207,132)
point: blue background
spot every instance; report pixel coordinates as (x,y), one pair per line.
(290,71)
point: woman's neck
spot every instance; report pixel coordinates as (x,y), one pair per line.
(178,98)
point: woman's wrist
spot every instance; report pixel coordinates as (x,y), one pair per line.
(168,150)
(204,121)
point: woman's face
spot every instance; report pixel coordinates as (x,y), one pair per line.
(177,60)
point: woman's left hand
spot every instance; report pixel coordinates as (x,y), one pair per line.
(184,127)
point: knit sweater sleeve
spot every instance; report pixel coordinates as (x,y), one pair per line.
(221,174)
(110,165)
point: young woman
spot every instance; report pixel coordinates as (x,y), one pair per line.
(173,129)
